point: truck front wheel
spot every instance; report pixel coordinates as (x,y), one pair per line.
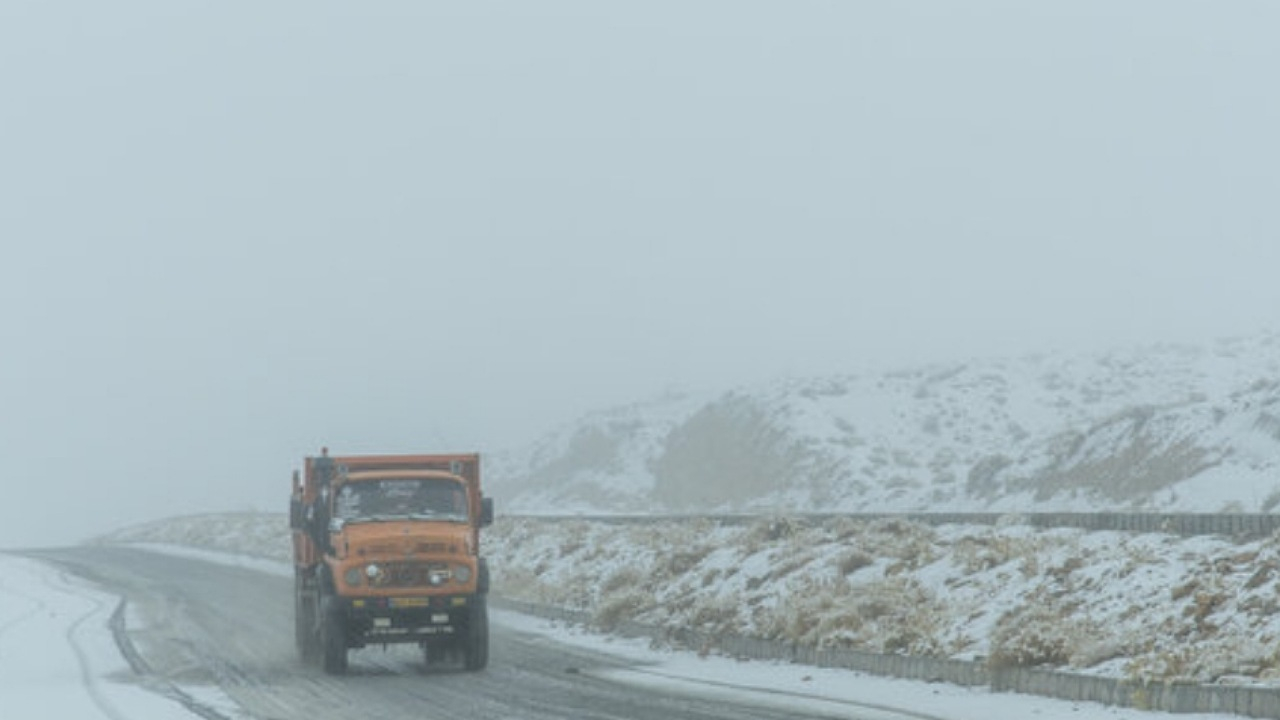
(333,637)
(476,643)
(304,614)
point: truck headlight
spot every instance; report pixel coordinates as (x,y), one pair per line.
(461,573)
(352,576)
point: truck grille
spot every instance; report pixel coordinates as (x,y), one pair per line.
(396,575)
(401,549)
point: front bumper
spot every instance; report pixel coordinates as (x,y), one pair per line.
(419,619)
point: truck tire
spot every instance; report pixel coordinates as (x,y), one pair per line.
(482,578)
(304,618)
(333,637)
(476,644)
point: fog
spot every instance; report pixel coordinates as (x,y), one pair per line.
(235,232)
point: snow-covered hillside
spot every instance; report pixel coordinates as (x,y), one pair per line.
(1144,606)
(1173,428)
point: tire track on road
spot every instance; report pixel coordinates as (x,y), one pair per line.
(87,679)
(120,633)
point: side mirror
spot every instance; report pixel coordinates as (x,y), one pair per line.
(486,512)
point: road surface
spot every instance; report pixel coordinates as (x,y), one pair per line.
(206,624)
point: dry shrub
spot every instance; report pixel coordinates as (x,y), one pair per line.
(714,615)
(1032,636)
(1179,592)
(853,561)
(897,527)
(575,538)
(814,615)
(909,640)
(622,579)
(977,554)
(1247,557)
(678,561)
(1265,572)
(1264,605)
(790,565)
(876,607)
(891,615)
(1141,554)
(913,545)
(911,557)
(1188,663)
(1178,663)
(1204,604)
(1096,648)
(844,528)
(771,530)
(1030,566)
(1207,662)
(1061,572)
(517,582)
(618,608)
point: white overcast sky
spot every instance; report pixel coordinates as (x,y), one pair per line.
(232,232)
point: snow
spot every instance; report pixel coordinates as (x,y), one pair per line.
(1164,428)
(68,665)
(1143,605)
(839,693)
(1148,606)
(1155,429)
(58,658)
(1151,606)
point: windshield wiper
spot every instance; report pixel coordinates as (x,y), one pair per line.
(446,516)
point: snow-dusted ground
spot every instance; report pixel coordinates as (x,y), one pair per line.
(1113,604)
(1149,606)
(836,692)
(57,660)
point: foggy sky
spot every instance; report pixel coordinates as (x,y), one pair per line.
(235,232)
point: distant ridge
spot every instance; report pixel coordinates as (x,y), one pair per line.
(1161,428)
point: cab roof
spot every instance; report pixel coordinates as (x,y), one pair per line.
(401,475)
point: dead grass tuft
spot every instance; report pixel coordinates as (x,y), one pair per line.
(853,561)
(1032,636)
(619,608)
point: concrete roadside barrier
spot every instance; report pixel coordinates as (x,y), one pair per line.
(1244,700)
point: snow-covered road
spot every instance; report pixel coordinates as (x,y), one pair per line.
(58,660)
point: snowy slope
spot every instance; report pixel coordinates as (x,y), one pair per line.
(1147,606)
(1175,428)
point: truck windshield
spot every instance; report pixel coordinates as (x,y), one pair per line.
(401,499)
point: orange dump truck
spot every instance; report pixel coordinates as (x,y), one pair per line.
(386,550)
